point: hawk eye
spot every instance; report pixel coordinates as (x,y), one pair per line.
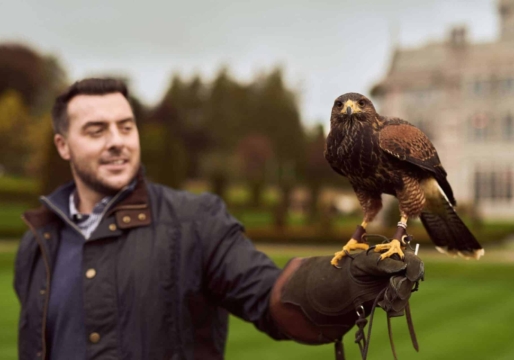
(339,103)
(362,102)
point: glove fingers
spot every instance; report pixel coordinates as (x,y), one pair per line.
(415,267)
(366,264)
(391,266)
(402,287)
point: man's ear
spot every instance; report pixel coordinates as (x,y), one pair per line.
(62,146)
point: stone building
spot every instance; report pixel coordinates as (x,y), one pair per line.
(461,94)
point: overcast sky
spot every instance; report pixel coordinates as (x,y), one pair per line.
(326,47)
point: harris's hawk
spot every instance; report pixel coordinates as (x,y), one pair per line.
(381,155)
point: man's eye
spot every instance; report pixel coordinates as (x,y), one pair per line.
(95,132)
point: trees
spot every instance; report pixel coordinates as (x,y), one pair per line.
(22,70)
(255,153)
(29,83)
(319,171)
(317,167)
(198,130)
(276,114)
(258,122)
(162,149)
(225,118)
(14,127)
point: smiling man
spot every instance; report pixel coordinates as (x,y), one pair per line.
(101,142)
(116,267)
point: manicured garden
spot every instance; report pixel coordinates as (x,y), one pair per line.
(464,310)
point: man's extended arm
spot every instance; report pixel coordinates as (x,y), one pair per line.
(310,301)
(238,277)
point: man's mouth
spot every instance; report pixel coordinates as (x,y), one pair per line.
(114,162)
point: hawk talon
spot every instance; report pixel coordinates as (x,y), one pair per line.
(348,254)
(352,244)
(392,248)
(402,258)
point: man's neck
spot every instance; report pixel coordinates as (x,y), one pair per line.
(87,198)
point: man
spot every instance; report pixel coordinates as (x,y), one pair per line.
(115,267)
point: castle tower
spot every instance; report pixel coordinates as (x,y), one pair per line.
(506,9)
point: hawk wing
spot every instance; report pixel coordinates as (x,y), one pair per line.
(408,143)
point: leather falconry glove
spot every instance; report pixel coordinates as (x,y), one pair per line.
(313,302)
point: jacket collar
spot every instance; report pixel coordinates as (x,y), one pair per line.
(131,211)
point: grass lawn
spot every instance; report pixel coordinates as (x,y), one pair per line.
(10,216)
(18,184)
(8,305)
(464,310)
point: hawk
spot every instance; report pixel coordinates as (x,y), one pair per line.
(381,155)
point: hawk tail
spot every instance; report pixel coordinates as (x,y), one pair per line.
(445,227)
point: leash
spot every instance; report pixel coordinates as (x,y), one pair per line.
(363,340)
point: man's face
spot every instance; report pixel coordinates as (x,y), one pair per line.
(102,143)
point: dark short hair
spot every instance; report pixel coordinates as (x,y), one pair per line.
(91,86)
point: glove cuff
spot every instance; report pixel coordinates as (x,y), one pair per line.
(290,318)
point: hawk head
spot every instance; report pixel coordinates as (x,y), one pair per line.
(352,109)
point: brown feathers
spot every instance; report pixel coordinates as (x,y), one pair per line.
(406,142)
(382,155)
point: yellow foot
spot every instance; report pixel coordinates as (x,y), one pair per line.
(392,248)
(350,245)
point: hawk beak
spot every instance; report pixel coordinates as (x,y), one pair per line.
(350,108)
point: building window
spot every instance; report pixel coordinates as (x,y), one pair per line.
(481,87)
(485,128)
(508,127)
(492,86)
(493,185)
(507,86)
(478,88)
(480,127)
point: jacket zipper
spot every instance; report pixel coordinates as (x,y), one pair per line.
(47,296)
(62,215)
(72,224)
(112,201)
(46,260)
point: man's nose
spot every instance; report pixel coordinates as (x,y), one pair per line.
(115,139)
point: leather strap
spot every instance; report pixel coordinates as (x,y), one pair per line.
(339,348)
(390,331)
(364,350)
(358,234)
(410,324)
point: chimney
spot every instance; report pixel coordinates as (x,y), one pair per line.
(506,9)
(458,36)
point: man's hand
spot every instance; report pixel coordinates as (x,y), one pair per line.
(313,302)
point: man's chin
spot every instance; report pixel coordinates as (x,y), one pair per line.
(110,184)
(115,185)
(104,181)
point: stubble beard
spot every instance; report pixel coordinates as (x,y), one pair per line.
(91,180)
